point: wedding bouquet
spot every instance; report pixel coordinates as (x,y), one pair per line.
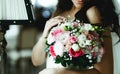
(75,44)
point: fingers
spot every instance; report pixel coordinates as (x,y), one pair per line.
(56,20)
(53,22)
(59,17)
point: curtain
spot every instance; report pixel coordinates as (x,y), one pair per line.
(115,38)
(117,6)
(13,10)
(0,10)
(116,53)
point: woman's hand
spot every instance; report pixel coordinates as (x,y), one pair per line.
(52,22)
(38,53)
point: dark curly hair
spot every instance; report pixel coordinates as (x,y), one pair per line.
(106,7)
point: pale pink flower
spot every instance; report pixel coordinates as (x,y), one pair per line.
(62,37)
(101,50)
(75,24)
(57,31)
(72,39)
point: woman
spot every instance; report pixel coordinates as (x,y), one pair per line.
(86,11)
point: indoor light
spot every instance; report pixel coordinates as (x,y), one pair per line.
(16,12)
(47,3)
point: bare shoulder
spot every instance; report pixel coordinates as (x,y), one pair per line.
(92,8)
(94,15)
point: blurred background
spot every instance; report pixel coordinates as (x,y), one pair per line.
(21,38)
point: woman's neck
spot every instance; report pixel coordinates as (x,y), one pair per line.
(73,11)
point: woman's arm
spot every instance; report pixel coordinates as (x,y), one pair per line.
(106,64)
(38,53)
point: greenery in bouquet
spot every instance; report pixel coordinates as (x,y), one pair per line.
(75,44)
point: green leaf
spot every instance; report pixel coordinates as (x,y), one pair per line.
(58,59)
(47,49)
(63,62)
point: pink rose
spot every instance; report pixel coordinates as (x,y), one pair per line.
(101,50)
(76,53)
(94,54)
(91,47)
(52,52)
(72,39)
(93,35)
(90,37)
(75,24)
(57,31)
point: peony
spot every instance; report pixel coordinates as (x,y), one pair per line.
(76,53)
(57,31)
(58,48)
(62,37)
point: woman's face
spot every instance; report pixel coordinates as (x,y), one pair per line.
(78,3)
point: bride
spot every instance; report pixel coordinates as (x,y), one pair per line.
(88,12)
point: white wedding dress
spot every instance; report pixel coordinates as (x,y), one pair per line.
(50,63)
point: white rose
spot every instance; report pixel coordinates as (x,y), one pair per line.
(87,27)
(59,48)
(88,42)
(67,23)
(82,44)
(81,29)
(81,38)
(50,39)
(75,47)
(96,48)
